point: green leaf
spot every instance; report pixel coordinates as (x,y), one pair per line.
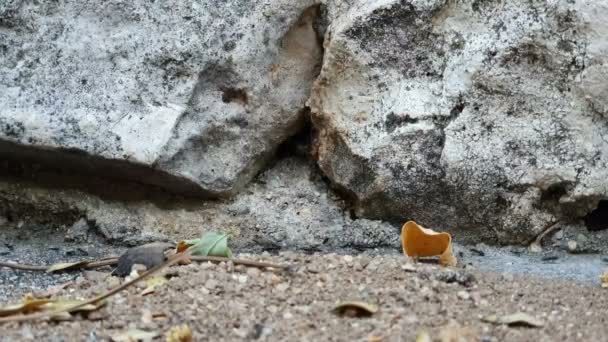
(212,244)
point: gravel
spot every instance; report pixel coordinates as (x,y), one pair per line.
(226,302)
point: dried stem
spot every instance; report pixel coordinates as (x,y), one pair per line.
(111,261)
(172,260)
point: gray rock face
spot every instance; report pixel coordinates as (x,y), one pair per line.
(486,118)
(203,91)
(287,206)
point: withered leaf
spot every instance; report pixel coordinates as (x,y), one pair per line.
(423,336)
(516,319)
(418,241)
(355,309)
(66,266)
(28,304)
(153,283)
(179,333)
(604,280)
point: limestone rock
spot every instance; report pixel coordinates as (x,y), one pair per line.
(485,118)
(286,206)
(201,91)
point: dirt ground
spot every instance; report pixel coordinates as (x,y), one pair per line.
(224,302)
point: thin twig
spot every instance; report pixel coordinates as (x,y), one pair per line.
(172,260)
(103,262)
(22,266)
(111,261)
(89,265)
(236,261)
(551,227)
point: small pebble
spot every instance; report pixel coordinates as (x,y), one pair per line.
(211,284)
(551,257)
(282,287)
(253,272)
(572,245)
(464,295)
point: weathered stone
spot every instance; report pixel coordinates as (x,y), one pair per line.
(301,213)
(201,91)
(485,118)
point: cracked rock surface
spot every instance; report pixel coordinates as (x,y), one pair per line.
(288,206)
(201,91)
(487,119)
(484,117)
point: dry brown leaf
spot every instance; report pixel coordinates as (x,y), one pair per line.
(423,336)
(355,309)
(134,335)
(179,333)
(418,241)
(182,246)
(66,266)
(604,279)
(61,304)
(516,319)
(28,304)
(153,283)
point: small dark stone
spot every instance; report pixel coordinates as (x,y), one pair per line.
(551,257)
(463,278)
(76,252)
(257,331)
(477,251)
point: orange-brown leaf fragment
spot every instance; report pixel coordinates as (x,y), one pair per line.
(28,304)
(417,241)
(181,246)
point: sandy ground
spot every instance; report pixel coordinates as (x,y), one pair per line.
(224,302)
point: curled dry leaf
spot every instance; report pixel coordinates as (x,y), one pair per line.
(417,241)
(355,309)
(179,333)
(516,319)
